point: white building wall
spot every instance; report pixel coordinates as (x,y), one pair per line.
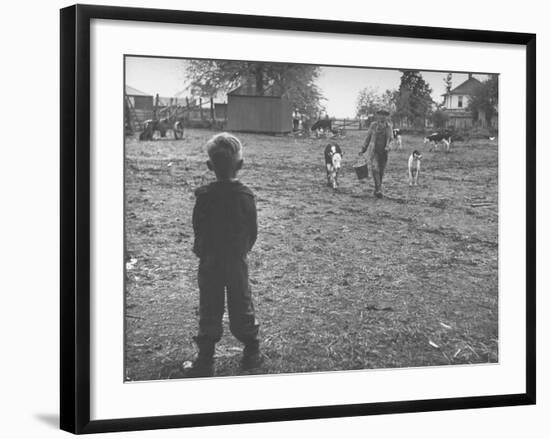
(451,102)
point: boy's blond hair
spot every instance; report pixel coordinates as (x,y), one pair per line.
(224,145)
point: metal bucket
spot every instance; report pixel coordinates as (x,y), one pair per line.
(362,170)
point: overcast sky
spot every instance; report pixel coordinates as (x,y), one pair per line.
(340,85)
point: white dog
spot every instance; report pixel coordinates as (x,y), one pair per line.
(414,167)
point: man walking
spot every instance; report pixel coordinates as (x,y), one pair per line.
(380,133)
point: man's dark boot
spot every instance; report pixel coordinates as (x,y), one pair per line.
(203,365)
(252,357)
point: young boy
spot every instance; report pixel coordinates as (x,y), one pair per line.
(225,226)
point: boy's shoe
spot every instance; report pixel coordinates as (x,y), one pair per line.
(201,367)
(252,357)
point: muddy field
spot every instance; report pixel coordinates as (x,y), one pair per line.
(341,280)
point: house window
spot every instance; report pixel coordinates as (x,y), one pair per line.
(460,101)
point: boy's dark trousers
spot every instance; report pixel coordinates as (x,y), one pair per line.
(215,275)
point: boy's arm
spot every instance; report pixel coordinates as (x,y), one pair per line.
(252,216)
(254,222)
(369,147)
(367,140)
(198,220)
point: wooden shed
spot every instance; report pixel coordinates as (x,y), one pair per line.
(258,112)
(138,108)
(140,100)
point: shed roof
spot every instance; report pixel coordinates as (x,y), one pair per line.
(131,91)
(466,88)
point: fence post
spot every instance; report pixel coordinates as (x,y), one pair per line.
(155,111)
(212,111)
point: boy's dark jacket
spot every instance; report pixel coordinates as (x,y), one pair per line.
(224,220)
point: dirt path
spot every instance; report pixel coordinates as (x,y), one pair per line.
(341,280)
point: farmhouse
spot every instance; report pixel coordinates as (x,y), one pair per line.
(251,110)
(455,103)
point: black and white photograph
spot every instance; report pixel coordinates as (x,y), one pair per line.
(285,218)
(275,219)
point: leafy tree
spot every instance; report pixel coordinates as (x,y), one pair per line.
(448,80)
(211,77)
(413,99)
(484,99)
(368,101)
(296,81)
(439,118)
(388,100)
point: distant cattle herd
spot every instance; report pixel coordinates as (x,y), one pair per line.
(333,153)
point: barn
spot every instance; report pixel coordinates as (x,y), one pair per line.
(249,110)
(138,108)
(140,101)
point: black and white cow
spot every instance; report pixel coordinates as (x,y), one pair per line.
(324,125)
(435,138)
(147,133)
(178,129)
(414,167)
(397,138)
(333,163)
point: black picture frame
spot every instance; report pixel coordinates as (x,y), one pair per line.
(75,217)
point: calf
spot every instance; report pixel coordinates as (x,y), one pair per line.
(414,167)
(178,129)
(397,138)
(322,124)
(150,126)
(333,163)
(435,138)
(147,133)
